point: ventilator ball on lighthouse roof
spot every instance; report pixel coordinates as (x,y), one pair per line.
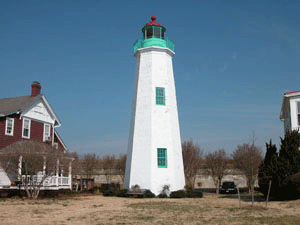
(153,22)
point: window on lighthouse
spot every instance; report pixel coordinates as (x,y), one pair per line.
(156,32)
(149,33)
(162,158)
(160,96)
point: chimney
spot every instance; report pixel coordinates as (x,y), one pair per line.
(35,88)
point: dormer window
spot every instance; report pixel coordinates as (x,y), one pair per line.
(26,128)
(9,127)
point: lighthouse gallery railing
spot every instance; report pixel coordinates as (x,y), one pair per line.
(143,43)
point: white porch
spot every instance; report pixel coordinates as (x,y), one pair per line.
(53,181)
(49,183)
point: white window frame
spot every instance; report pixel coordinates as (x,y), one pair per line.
(12,126)
(23,128)
(49,131)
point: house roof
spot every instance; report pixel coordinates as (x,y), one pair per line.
(9,106)
(292,93)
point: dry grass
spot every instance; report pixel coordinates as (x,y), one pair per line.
(210,209)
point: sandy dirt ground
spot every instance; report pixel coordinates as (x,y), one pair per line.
(210,209)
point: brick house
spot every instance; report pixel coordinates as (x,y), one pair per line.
(29,118)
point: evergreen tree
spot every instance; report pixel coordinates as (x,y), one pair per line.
(289,153)
(268,169)
(282,169)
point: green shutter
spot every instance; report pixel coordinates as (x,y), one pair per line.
(160,96)
(162,158)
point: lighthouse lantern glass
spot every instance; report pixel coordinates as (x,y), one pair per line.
(149,33)
(154,32)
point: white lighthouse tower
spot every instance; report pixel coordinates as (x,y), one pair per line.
(154,150)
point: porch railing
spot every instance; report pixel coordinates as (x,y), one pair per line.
(49,180)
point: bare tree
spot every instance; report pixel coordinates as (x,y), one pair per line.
(121,166)
(32,162)
(216,164)
(76,164)
(192,156)
(90,162)
(247,158)
(86,166)
(108,166)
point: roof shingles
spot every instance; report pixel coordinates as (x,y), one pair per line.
(10,106)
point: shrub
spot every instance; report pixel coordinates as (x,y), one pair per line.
(186,194)
(111,186)
(148,194)
(110,189)
(162,195)
(290,188)
(96,189)
(122,193)
(109,193)
(178,194)
(194,194)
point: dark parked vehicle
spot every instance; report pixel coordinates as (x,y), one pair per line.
(228,187)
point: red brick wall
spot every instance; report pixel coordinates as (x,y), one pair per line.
(36,132)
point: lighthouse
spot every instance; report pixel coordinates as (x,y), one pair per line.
(154,156)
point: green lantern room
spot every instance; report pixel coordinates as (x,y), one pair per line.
(153,35)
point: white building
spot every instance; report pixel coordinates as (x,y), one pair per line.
(154,148)
(290,110)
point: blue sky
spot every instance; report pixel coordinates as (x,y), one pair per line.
(233,63)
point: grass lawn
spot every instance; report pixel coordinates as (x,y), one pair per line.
(211,209)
